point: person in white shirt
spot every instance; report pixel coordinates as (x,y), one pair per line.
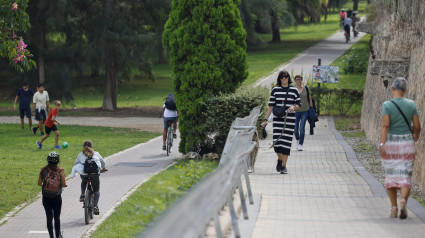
(41,106)
(170,114)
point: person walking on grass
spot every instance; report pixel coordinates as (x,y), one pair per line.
(397,145)
(301,113)
(24,95)
(287,96)
(50,126)
(41,106)
(52,180)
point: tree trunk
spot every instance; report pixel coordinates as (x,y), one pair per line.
(355,5)
(275,26)
(111,68)
(326,13)
(42,48)
(111,82)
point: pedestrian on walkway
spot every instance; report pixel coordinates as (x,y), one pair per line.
(41,106)
(50,126)
(24,95)
(287,96)
(397,145)
(301,113)
(79,167)
(52,180)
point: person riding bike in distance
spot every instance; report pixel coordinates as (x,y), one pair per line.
(342,16)
(170,114)
(347,26)
(79,166)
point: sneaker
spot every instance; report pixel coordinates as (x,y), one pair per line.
(57,147)
(82,198)
(300,147)
(284,170)
(96,210)
(39,144)
(34,130)
(42,133)
(164,147)
(174,136)
(279,166)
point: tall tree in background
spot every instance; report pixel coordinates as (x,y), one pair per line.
(306,8)
(355,5)
(207,47)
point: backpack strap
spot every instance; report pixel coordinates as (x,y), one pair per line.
(404,116)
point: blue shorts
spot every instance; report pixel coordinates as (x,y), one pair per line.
(49,129)
(40,115)
(25,111)
(166,119)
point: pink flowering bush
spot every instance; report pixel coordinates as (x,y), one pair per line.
(14,21)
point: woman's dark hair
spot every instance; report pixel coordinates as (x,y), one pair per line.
(282,74)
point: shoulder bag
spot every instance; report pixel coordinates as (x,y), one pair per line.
(280,111)
(311,110)
(404,116)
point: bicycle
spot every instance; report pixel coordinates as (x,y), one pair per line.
(169,140)
(89,200)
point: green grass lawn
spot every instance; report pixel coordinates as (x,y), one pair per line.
(21,160)
(153,197)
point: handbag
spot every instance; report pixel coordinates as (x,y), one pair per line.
(312,110)
(280,111)
(405,119)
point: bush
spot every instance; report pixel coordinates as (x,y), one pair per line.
(336,100)
(207,46)
(356,61)
(222,111)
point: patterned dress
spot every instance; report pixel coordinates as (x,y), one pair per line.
(277,98)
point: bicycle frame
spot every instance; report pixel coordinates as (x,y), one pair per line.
(88,202)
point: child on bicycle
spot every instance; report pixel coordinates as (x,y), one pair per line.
(52,201)
(88,152)
(170,114)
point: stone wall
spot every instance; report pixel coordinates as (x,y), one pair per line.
(397,49)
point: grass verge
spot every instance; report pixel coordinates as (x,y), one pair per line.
(367,153)
(153,197)
(21,160)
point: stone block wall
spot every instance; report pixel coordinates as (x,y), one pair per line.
(397,49)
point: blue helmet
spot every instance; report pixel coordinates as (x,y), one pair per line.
(343,10)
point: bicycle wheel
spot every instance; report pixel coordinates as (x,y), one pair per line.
(91,204)
(169,140)
(87,207)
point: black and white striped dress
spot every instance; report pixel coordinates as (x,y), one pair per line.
(277,97)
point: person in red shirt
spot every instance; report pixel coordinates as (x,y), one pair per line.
(50,125)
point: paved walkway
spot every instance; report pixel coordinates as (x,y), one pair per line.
(328,50)
(326,193)
(127,169)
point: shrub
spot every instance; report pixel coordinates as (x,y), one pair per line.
(207,48)
(356,61)
(223,109)
(337,100)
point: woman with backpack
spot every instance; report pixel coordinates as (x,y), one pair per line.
(52,180)
(89,164)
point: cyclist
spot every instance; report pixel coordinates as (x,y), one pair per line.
(170,114)
(52,202)
(88,152)
(347,26)
(342,16)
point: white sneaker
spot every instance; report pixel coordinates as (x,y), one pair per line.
(300,147)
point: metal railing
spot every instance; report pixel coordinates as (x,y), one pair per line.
(191,215)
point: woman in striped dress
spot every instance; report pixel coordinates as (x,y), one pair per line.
(397,145)
(287,95)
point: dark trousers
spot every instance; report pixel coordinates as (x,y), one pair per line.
(95,182)
(53,207)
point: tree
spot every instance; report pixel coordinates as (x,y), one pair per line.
(207,47)
(355,5)
(14,21)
